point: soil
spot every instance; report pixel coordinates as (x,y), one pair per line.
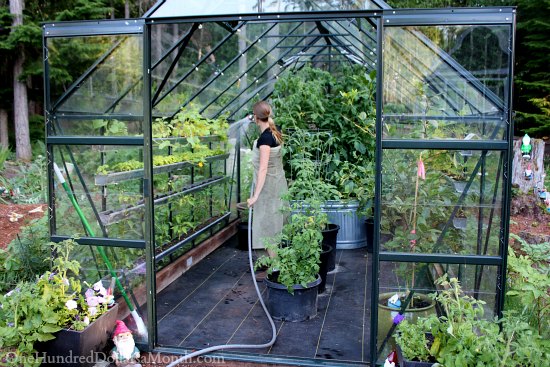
(9,229)
(529,220)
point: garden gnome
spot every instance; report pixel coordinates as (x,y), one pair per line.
(125,352)
(526,147)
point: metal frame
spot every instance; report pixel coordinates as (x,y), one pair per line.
(379,19)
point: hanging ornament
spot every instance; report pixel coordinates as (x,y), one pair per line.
(526,147)
(528,173)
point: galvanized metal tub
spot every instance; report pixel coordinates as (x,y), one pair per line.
(352,233)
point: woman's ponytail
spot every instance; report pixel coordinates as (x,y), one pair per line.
(276,133)
(262,110)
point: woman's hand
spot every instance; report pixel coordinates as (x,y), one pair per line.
(250,201)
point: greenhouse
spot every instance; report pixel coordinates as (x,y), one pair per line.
(399,120)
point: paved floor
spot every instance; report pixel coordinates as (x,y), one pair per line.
(215,303)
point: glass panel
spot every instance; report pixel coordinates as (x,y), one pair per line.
(174,8)
(115,84)
(128,265)
(190,184)
(97,127)
(478,281)
(112,186)
(456,209)
(446,82)
(246,65)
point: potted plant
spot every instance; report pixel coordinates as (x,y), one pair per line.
(293,271)
(461,336)
(307,193)
(412,227)
(342,108)
(51,315)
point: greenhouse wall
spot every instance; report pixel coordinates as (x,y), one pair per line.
(151,129)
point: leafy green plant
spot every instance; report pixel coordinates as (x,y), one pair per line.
(341,106)
(462,337)
(29,186)
(34,310)
(296,250)
(111,127)
(4,154)
(529,284)
(27,256)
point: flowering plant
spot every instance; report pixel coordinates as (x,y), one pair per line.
(33,311)
(64,292)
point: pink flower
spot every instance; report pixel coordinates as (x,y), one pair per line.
(93,311)
(92,301)
(421,169)
(89,293)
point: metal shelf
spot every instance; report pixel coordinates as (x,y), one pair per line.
(180,139)
(110,216)
(115,177)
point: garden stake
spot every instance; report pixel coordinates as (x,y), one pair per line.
(420,173)
(141,328)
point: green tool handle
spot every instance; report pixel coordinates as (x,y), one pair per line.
(100,249)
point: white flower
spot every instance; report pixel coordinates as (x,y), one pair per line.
(71,304)
(86,320)
(389,364)
(98,287)
(65,281)
(92,310)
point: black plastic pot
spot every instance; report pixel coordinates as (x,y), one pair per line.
(283,306)
(326,255)
(406,363)
(242,236)
(329,239)
(369,222)
(79,348)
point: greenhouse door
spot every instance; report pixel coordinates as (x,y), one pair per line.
(444,135)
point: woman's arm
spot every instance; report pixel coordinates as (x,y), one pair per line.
(262,173)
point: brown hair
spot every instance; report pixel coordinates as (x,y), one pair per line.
(262,110)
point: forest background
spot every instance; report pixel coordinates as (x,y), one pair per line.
(21,66)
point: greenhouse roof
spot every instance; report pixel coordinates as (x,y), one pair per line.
(177,8)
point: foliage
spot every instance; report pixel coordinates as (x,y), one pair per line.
(532,79)
(315,102)
(461,337)
(29,185)
(4,154)
(27,256)
(34,310)
(308,155)
(529,284)
(296,250)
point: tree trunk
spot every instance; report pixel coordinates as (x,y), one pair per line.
(535,164)
(127,9)
(20,100)
(4,143)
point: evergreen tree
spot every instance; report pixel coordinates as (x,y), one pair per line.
(532,79)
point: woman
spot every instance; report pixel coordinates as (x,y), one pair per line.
(269,177)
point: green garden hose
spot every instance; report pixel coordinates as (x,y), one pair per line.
(141,328)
